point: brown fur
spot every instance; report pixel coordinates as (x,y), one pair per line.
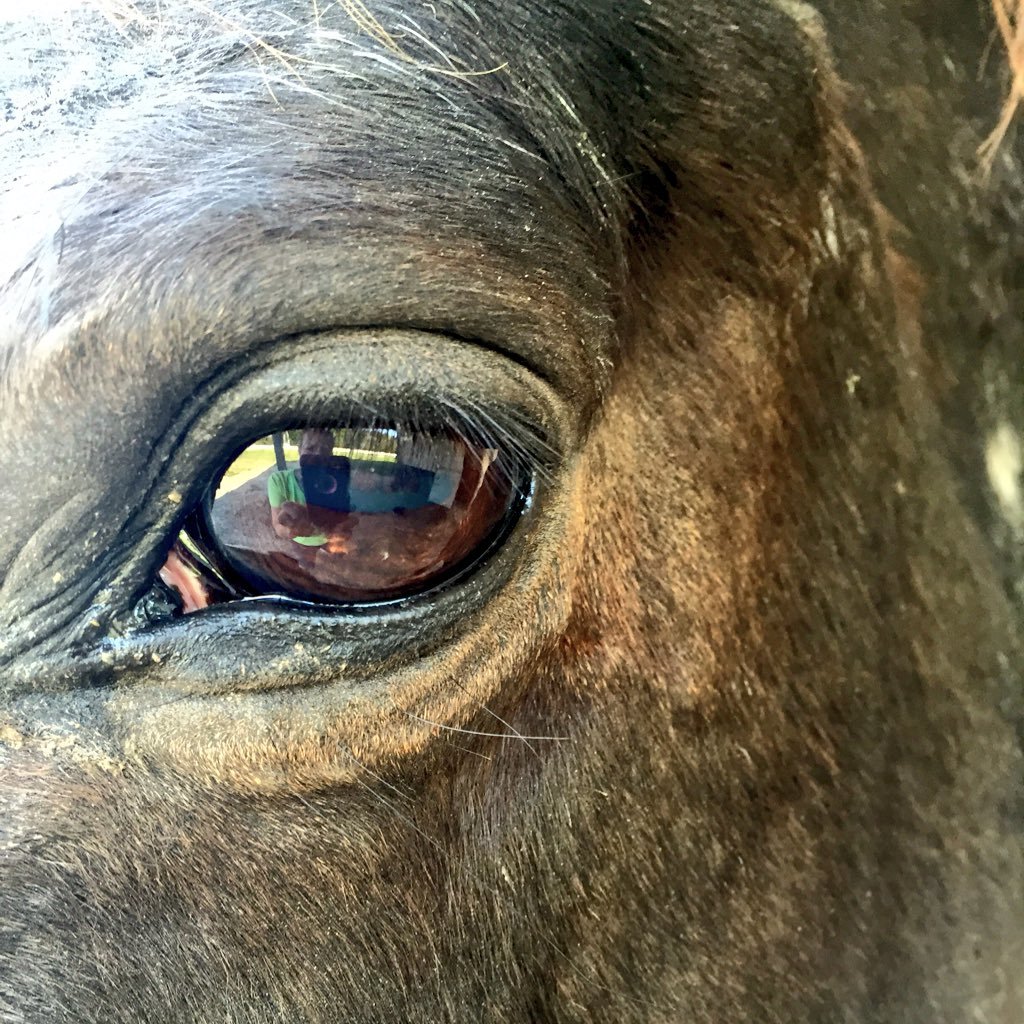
(732,736)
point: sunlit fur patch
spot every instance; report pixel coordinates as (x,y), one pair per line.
(1004,461)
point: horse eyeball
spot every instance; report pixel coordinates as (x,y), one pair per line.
(350,515)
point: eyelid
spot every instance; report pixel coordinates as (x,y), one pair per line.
(329,377)
(323,377)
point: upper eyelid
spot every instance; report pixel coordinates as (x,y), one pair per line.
(524,427)
(520,429)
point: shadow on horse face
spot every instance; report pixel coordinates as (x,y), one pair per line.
(708,712)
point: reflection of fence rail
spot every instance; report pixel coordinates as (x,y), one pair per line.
(259,458)
(292,453)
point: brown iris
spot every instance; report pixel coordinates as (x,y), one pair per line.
(345,515)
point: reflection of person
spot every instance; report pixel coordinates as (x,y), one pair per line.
(288,509)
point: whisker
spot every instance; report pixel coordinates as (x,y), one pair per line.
(394,789)
(490,735)
(403,818)
(466,750)
(509,725)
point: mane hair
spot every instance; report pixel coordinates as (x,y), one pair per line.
(1010,19)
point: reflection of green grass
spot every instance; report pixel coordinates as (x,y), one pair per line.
(250,463)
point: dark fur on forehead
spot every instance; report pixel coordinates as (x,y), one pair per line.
(547,132)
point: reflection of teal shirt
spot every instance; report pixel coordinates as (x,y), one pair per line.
(285,485)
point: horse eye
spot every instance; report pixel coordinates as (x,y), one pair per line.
(346,515)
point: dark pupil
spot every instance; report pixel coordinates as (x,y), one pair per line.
(356,515)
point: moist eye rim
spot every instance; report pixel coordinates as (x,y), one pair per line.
(396,636)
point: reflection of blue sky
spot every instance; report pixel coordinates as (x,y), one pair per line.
(442,492)
(373,487)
